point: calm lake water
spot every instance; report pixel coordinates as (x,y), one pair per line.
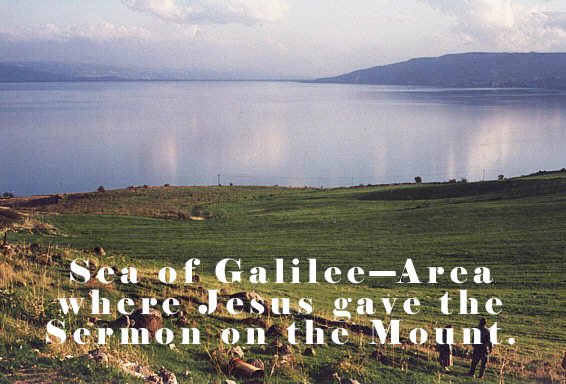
(62,137)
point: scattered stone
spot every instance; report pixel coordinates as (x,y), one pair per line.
(257,363)
(236,351)
(8,250)
(228,381)
(276,344)
(163,376)
(255,322)
(182,322)
(93,265)
(44,259)
(99,251)
(218,352)
(275,331)
(309,352)
(247,297)
(167,377)
(120,322)
(282,361)
(136,369)
(98,356)
(240,368)
(91,323)
(182,319)
(224,292)
(286,349)
(344,381)
(34,247)
(349,381)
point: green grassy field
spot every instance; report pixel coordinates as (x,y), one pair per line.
(515,227)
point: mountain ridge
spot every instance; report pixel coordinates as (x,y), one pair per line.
(471,69)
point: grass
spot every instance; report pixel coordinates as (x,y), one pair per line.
(516,227)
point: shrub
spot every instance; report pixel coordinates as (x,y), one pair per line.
(418,179)
(500,177)
(100,189)
(8,195)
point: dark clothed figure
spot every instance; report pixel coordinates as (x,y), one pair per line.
(445,351)
(482,350)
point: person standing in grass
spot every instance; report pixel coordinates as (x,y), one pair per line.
(481,350)
(445,351)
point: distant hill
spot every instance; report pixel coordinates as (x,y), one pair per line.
(55,71)
(533,70)
(52,71)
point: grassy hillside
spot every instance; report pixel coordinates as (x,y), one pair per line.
(516,227)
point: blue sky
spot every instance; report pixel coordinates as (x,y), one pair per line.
(275,38)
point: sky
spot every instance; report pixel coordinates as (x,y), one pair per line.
(272,38)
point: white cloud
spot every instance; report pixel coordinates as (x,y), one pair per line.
(101,31)
(401,18)
(504,24)
(213,11)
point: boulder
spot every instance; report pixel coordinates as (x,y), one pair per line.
(151,321)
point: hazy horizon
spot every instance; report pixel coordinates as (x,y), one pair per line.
(286,39)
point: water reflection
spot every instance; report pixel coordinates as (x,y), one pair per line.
(76,136)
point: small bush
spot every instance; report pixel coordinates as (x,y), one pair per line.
(418,179)
(500,177)
(101,189)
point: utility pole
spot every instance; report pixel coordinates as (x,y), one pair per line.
(219,184)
